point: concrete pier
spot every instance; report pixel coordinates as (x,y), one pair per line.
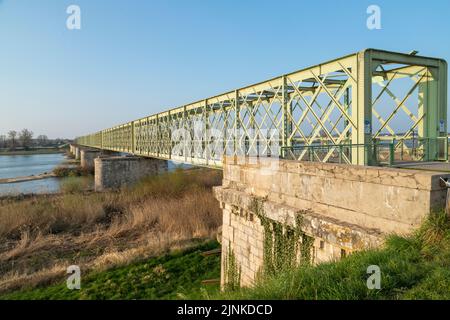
(337,208)
(114,172)
(87,157)
(77,153)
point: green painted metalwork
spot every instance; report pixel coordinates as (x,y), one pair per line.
(387,153)
(372,98)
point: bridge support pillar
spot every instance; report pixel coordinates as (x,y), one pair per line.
(87,157)
(77,153)
(72,149)
(114,172)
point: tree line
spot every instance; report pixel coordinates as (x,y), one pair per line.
(24,139)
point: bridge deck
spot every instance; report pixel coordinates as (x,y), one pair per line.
(428,166)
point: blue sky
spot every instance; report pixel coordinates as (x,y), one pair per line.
(135,58)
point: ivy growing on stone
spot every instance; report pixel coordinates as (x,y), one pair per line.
(232,271)
(282,242)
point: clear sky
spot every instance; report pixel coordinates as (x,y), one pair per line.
(135,58)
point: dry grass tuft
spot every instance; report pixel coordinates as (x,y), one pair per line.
(42,235)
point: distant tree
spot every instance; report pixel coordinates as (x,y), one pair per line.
(2,141)
(12,137)
(26,137)
(59,141)
(42,140)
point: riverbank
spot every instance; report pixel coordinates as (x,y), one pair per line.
(40,236)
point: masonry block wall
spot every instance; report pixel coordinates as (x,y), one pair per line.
(77,153)
(114,172)
(343,208)
(87,157)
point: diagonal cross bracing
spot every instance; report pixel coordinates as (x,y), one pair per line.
(321,113)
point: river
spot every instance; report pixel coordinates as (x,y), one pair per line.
(27,165)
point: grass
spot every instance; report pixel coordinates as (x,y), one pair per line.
(40,236)
(143,243)
(75,184)
(414,267)
(75,179)
(170,276)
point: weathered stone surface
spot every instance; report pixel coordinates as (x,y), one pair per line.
(114,172)
(344,208)
(368,196)
(77,150)
(72,149)
(87,157)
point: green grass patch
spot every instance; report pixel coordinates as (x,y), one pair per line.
(171,276)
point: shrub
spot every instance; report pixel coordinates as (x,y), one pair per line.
(65,171)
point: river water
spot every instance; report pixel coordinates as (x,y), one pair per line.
(27,165)
(24,166)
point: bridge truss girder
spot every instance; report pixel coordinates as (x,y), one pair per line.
(331,104)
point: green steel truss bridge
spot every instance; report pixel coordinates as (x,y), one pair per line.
(373,107)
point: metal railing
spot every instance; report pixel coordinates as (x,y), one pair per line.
(378,153)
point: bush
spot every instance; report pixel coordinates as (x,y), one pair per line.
(64,171)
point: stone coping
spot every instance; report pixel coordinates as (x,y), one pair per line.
(408,178)
(119,158)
